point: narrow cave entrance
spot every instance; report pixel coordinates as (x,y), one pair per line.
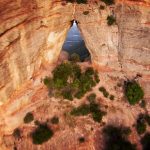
(74,43)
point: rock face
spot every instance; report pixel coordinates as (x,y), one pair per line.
(32,33)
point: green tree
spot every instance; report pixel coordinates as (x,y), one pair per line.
(28,117)
(133,92)
(41,134)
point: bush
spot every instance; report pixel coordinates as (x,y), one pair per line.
(96,77)
(141,125)
(41,134)
(147,118)
(108,2)
(81,1)
(17,133)
(111,20)
(78,1)
(55,120)
(48,82)
(79,94)
(145,141)
(133,92)
(89,71)
(86,12)
(92,108)
(91,97)
(142,104)
(111,97)
(75,57)
(116,138)
(81,139)
(28,118)
(103,90)
(97,114)
(81,110)
(68,81)
(67,94)
(102,7)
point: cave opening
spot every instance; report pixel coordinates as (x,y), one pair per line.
(74,43)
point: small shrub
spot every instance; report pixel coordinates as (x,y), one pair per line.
(75,57)
(147,118)
(111,20)
(71,1)
(86,12)
(36,122)
(41,134)
(141,125)
(81,1)
(103,90)
(28,118)
(133,92)
(97,114)
(67,94)
(17,133)
(106,94)
(91,97)
(92,108)
(142,104)
(108,2)
(111,97)
(116,138)
(81,139)
(79,94)
(81,110)
(102,7)
(55,120)
(48,82)
(145,141)
(89,71)
(96,77)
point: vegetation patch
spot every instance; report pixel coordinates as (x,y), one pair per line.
(75,58)
(147,118)
(86,12)
(91,108)
(81,110)
(68,81)
(17,133)
(81,139)
(142,104)
(55,120)
(41,134)
(108,2)
(116,138)
(28,117)
(112,97)
(133,92)
(111,20)
(81,1)
(102,7)
(141,124)
(91,98)
(104,91)
(145,141)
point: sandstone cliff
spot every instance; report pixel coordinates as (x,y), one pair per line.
(32,34)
